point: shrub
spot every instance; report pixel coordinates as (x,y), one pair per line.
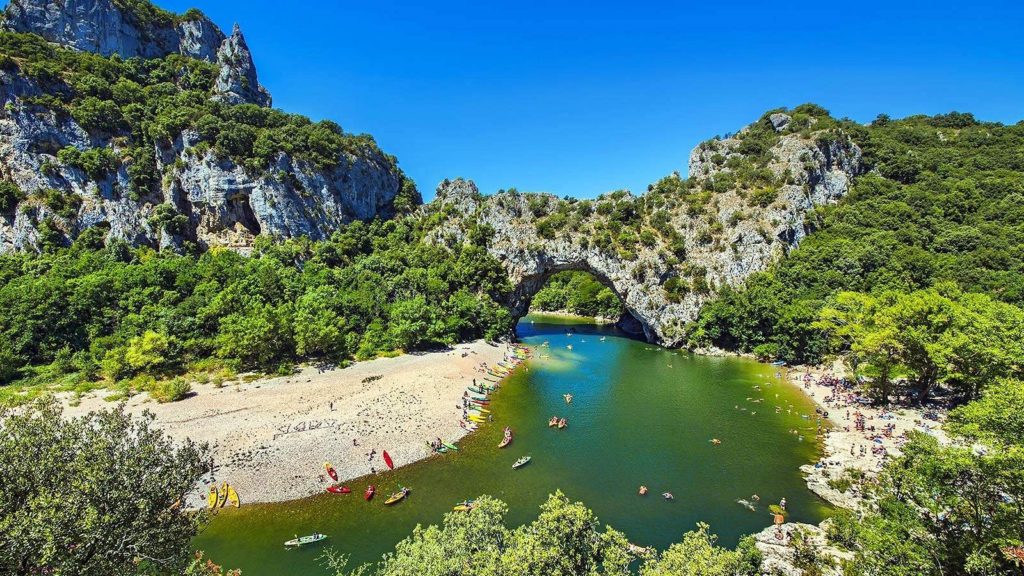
(170,390)
(10,196)
(767,351)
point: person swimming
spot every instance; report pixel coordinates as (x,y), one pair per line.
(667,496)
(643,490)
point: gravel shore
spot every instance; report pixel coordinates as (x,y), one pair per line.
(270,437)
(846,447)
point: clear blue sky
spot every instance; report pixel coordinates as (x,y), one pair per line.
(579,98)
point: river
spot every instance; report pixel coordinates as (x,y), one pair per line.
(640,415)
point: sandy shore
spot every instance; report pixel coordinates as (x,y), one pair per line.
(846,447)
(270,437)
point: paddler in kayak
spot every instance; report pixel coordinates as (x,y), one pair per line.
(568,398)
(553,421)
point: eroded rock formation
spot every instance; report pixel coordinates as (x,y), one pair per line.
(712,240)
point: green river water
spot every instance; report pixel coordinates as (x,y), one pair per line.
(641,415)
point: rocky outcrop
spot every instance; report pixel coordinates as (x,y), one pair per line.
(726,237)
(222,203)
(777,545)
(104,27)
(237,82)
(195,195)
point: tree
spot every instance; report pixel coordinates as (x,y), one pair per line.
(94,496)
(257,337)
(147,353)
(318,327)
(697,555)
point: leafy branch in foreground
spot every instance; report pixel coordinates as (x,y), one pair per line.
(94,496)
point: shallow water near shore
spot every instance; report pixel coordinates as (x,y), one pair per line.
(640,415)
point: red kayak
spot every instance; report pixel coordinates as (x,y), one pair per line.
(339,489)
(370,490)
(388,461)
(330,471)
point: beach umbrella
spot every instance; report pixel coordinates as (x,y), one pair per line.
(387,460)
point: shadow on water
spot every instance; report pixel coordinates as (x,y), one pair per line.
(640,415)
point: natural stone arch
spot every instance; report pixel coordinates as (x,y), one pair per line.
(521,298)
(662,279)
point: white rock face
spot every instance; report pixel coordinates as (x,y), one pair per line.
(820,173)
(237,82)
(101,27)
(224,205)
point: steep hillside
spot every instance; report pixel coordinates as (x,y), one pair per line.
(942,204)
(150,127)
(667,252)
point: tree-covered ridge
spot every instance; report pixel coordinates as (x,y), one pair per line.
(941,204)
(136,318)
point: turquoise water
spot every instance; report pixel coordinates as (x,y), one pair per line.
(640,415)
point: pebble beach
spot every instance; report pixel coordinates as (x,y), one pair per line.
(270,437)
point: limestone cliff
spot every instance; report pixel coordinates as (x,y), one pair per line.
(667,252)
(179,161)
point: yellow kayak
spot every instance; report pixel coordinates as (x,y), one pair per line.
(222,497)
(211,500)
(478,419)
(233,497)
(401,494)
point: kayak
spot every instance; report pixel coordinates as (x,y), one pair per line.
(331,471)
(387,460)
(370,491)
(397,497)
(222,496)
(306,540)
(521,462)
(479,409)
(480,402)
(452,447)
(233,497)
(339,489)
(479,419)
(211,500)
(464,506)
(476,390)
(505,441)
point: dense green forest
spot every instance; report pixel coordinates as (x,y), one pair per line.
(577,293)
(944,202)
(136,318)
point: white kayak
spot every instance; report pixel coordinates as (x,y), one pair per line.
(303,540)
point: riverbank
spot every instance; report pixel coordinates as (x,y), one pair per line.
(862,436)
(270,437)
(566,315)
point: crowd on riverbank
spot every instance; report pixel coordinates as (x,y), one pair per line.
(862,435)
